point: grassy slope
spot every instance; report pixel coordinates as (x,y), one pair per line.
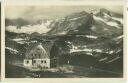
(79,72)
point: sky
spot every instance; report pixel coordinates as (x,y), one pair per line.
(38,12)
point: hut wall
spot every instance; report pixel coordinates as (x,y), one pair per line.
(41,63)
(37,63)
(28,63)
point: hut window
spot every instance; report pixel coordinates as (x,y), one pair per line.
(41,61)
(44,61)
(32,54)
(35,54)
(27,62)
(34,61)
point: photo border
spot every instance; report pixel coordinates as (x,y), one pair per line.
(60,3)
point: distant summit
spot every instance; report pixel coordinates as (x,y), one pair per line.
(94,22)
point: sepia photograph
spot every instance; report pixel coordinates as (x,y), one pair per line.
(76,41)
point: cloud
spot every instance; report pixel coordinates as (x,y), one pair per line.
(117,9)
(40,28)
(38,12)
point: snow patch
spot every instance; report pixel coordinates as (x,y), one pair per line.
(118,51)
(75,18)
(98,18)
(62,33)
(119,37)
(91,36)
(33,41)
(48,22)
(105,29)
(111,52)
(118,19)
(89,54)
(103,59)
(77,49)
(97,50)
(68,42)
(110,23)
(13,50)
(106,15)
(19,40)
(113,59)
(93,27)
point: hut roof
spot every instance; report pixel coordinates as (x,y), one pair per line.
(44,48)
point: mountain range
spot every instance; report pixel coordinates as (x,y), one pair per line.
(97,34)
